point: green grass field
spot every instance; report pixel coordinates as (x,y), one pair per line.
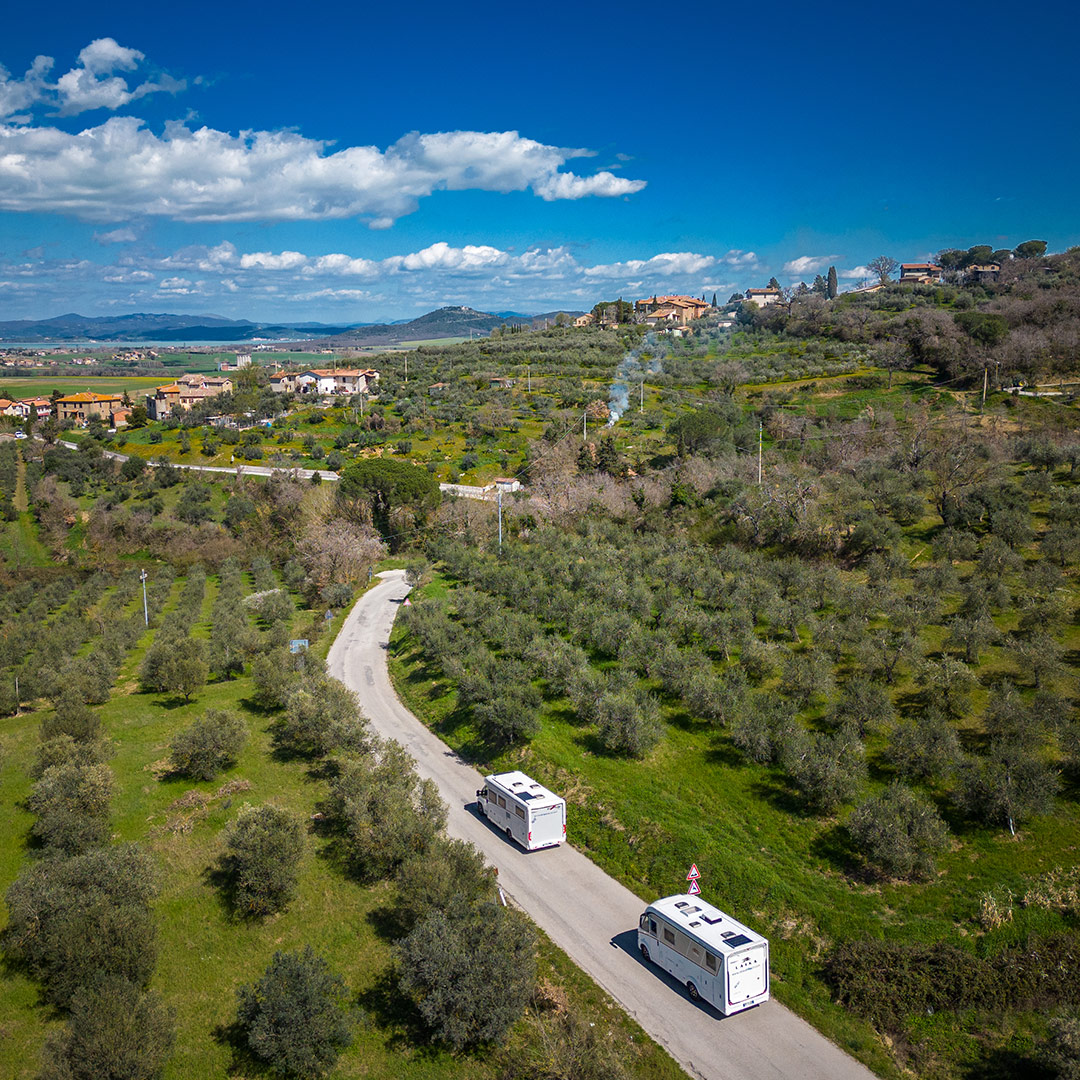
(44,385)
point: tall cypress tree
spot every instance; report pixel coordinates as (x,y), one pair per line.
(832,286)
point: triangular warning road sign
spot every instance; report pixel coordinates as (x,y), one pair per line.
(693,875)
(694,889)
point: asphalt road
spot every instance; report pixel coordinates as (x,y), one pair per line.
(586,913)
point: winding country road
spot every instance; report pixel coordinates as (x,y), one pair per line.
(586,913)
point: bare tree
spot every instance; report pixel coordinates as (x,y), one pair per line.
(884,266)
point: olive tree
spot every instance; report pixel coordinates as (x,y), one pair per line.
(898,832)
(210,745)
(263,848)
(470,972)
(296,1018)
(115,1031)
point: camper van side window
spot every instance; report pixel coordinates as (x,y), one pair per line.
(492,797)
(710,961)
(502,802)
(520,813)
(669,936)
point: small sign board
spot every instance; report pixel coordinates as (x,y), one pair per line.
(329,616)
(693,875)
(695,889)
(298,645)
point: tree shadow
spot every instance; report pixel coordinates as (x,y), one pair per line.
(721,751)
(833,844)
(1002,1063)
(781,796)
(392,1011)
(242,1062)
(387,923)
(173,701)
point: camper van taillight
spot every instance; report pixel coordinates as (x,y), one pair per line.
(530,836)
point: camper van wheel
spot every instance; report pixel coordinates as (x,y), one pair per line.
(480,808)
(509,835)
(692,990)
(645,953)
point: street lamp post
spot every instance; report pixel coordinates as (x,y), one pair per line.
(145,610)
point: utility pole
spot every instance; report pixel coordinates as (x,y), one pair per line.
(585,424)
(145,610)
(406,367)
(528,376)
(500,519)
(986,378)
(759,430)
(641,406)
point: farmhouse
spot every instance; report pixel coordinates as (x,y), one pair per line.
(920,274)
(182,395)
(762,297)
(326,381)
(982,274)
(676,310)
(81,407)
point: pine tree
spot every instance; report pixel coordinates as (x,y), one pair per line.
(773,283)
(832,286)
(714,300)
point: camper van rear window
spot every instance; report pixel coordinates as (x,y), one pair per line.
(736,941)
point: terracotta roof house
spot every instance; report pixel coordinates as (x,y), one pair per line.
(989,272)
(81,407)
(920,274)
(763,297)
(685,308)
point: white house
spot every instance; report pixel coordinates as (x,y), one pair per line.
(326,381)
(762,297)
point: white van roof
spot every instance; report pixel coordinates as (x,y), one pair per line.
(524,787)
(707,923)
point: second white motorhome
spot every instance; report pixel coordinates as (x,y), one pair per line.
(525,810)
(717,959)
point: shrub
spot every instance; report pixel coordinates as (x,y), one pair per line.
(321,715)
(827,769)
(72,806)
(453,872)
(1062,1050)
(470,972)
(628,722)
(114,1032)
(210,745)
(263,850)
(898,832)
(383,812)
(73,921)
(295,1017)
(71,716)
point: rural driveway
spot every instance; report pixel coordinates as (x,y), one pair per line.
(588,914)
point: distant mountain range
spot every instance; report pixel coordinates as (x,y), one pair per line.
(446,322)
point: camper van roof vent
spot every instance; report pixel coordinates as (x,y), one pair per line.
(712,920)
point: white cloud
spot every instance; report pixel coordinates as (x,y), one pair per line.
(740,258)
(287,260)
(19,94)
(128,277)
(670,264)
(116,236)
(92,84)
(857,273)
(805,265)
(120,170)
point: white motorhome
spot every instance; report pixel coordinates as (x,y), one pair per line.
(717,958)
(525,810)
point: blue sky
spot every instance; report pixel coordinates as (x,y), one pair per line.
(361,163)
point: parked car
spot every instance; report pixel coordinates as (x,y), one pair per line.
(20,434)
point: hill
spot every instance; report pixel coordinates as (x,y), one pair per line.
(445,322)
